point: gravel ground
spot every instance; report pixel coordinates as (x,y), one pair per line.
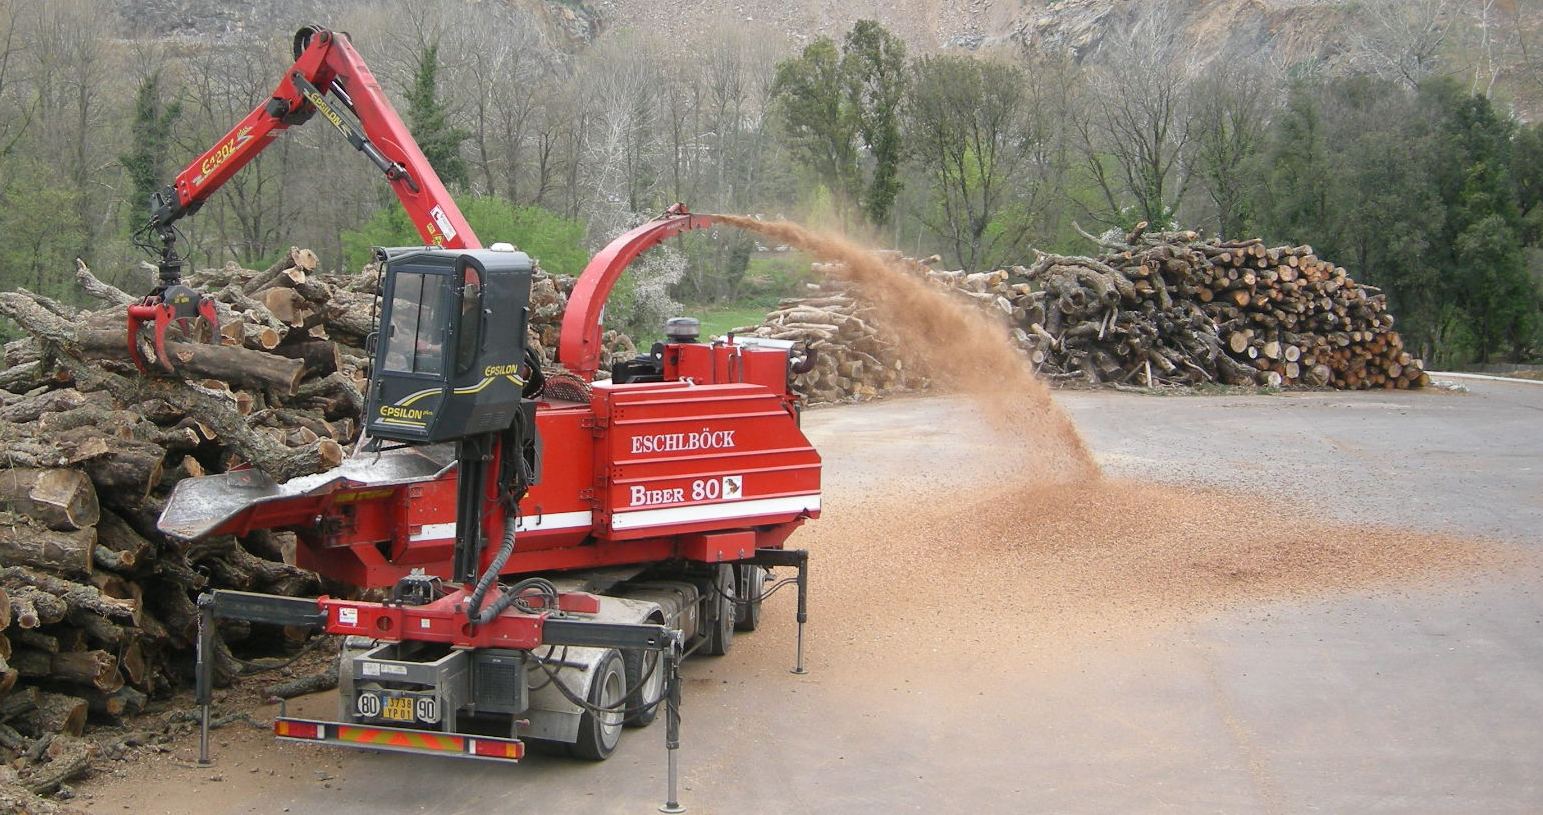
(1271,604)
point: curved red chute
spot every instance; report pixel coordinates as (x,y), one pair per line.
(578,347)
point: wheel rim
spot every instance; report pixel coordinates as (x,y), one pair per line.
(757,584)
(612,689)
(654,683)
(728,590)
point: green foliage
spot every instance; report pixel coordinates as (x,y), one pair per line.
(1413,192)
(874,63)
(716,263)
(556,242)
(1527,169)
(818,118)
(429,121)
(1482,233)
(720,320)
(151,138)
(1225,139)
(42,229)
(969,129)
(833,103)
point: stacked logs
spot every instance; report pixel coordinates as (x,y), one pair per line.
(97,610)
(1299,319)
(1158,309)
(548,300)
(854,358)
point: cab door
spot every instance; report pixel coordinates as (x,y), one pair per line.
(410,375)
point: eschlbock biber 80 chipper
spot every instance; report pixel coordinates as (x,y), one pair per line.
(550,545)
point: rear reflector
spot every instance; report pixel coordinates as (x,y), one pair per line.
(400,739)
(296,730)
(497,749)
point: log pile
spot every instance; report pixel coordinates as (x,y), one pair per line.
(854,358)
(1155,310)
(548,300)
(97,612)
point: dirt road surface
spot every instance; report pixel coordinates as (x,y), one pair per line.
(1353,624)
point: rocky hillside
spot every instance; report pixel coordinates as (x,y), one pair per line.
(1485,37)
(563,21)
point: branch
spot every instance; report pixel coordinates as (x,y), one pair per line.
(99,289)
(1095,239)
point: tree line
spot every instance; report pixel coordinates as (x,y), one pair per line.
(1416,180)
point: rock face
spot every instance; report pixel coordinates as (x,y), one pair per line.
(1287,31)
(566,23)
(1211,27)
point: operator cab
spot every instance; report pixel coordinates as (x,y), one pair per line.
(450,342)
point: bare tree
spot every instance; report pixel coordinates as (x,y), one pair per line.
(16,111)
(495,79)
(1403,39)
(618,85)
(972,129)
(1137,118)
(1231,105)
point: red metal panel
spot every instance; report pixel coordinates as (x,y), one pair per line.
(706,458)
(701,458)
(716,547)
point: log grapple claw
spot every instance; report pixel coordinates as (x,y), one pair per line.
(174,304)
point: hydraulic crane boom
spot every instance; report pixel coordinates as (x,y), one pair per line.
(325,63)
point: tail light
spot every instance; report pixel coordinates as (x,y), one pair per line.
(497,749)
(296,730)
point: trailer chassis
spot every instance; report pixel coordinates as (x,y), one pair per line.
(223,604)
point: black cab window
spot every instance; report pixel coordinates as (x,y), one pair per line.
(415,343)
(469,332)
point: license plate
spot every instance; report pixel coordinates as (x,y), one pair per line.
(398,708)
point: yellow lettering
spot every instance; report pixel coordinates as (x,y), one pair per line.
(394,412)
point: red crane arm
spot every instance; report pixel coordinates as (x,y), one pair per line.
(325,62)
(578,347)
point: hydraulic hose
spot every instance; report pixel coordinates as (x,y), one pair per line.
(514,594)
(514,457)
(490,575)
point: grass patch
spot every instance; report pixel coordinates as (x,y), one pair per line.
(719,318)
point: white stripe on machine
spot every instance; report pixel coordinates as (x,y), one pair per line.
(527,523)
(714,512)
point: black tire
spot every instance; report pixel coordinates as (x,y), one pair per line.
(644,669)
(599,733)
(747,613)
(719,618)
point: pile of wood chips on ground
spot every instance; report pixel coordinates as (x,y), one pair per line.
(1159,309)
(97,609)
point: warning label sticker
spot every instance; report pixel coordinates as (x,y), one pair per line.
(438,214)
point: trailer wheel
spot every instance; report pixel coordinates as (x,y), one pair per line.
(600,732)
(720,616)
(747,613)
(644,669)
